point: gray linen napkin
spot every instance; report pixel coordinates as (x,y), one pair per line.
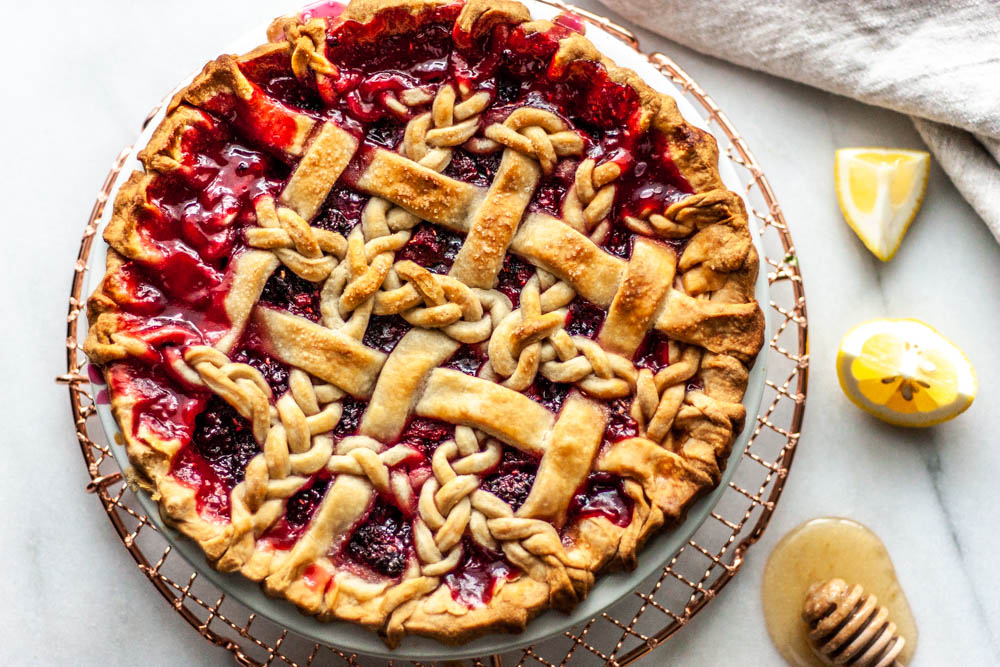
(939,62)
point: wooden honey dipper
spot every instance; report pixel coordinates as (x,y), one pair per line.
(849,627)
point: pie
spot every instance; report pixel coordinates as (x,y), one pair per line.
(426,314)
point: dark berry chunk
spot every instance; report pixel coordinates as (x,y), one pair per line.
(513,275)
(620,423)
(225,440)
(508,88)
(654,352)
(473,168)
(603,494)
(468,359)
(350,416)
(619,242)
(342,210)
(513,477)
(584,318)
(289,90)
(425,434)
(385,132)
(512,487)
(432,247)
(652,183)
(275,372)
(298,296)
(550,394)
(384,331)
(474,580)
(549,195)
(383,542)
(548,198)
(300,507)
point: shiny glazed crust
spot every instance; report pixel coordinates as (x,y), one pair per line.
(702,300)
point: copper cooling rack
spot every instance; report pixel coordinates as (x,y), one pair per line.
(661,605)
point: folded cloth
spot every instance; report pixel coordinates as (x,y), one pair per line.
(938,61)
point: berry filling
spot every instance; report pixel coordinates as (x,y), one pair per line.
(385,132)
(288,291)
(584,318)
(299,511)
(513,275)
(341,211)
(425,435)
(653,352)
(550,394)
(432,247)
(513,477)
(467,359)
(620,423)
(552,189)
(618,241)
(224,439)
(350,416)
(384,331)
(603,494)
(274,372)
(474,581)
(211,494)
(472,167)
(653,182)
(383,542)
(158,404)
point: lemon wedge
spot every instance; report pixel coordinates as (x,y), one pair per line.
(880,191)
(904,372)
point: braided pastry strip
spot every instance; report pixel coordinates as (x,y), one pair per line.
(531,544)
(537,133)
(347,297)
(515,346)
(358,455)
(445,507)
(429,137)
(589,200)
(310,252)
(433,301)
(582,361)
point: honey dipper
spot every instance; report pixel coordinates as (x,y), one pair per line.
(849,627)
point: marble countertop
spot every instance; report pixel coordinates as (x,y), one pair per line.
(81,76)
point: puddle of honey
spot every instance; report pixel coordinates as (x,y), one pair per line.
(822,549)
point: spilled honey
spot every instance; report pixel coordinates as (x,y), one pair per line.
(822,549)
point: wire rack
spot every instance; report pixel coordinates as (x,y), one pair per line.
(661,605)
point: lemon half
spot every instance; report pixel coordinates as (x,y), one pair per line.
(880,191)
(904,372)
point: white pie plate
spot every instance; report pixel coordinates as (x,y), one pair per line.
(608,589)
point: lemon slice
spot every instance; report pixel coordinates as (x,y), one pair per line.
(880,191)
(904,372)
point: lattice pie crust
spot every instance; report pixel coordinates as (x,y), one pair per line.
(525,501)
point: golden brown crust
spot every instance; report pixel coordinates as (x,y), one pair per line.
(709,313)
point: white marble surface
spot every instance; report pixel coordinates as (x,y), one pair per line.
(79,78)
